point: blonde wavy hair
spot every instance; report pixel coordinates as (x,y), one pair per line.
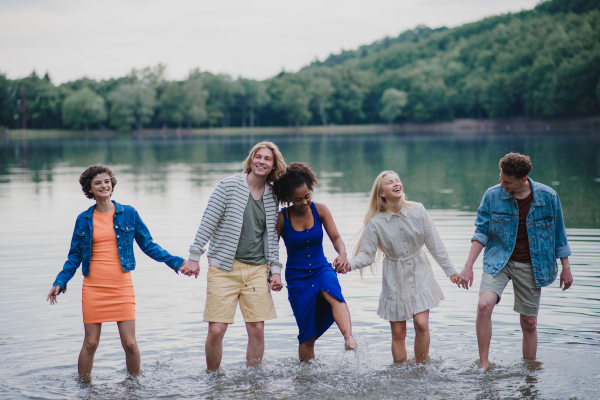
(377,204)
(279,165)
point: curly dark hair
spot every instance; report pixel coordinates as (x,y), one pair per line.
(86,178)
(296,175)
(515,165)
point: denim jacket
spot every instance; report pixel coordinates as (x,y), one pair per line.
(496,228)
(128,226)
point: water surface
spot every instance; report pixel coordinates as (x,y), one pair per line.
(169,180)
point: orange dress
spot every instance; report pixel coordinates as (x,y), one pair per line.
(107,293)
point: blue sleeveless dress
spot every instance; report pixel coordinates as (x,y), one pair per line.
(307,273)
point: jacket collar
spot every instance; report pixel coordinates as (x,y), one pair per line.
(538,200)
(389,214)
(90,211)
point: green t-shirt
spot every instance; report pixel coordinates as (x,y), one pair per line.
(250,249)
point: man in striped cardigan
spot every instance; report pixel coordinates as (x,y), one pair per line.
(243,254)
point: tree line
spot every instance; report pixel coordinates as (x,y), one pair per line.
(538,63)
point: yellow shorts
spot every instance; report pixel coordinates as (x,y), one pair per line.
(246,283)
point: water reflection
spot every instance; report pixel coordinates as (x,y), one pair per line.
(169,181)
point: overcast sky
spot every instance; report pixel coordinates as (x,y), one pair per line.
(70,39)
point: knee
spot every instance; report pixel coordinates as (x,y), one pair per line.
(90,345)
(130,346)
(529,325)
(484,308)
(256,331)
(399,333)
(421,327)
(216,332)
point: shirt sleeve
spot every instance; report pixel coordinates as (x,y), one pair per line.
(212,215)
(369,243)
(562,248)
(482,222)
(435,245)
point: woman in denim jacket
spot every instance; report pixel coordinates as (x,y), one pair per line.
(103,242)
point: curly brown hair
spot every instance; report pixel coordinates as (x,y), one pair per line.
(296,175)
(86,178)
(515,165)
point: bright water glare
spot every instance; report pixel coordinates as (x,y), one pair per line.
(169,179)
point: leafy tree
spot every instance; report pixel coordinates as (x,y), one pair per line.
(321,90)
(83,108)
(131,105)
(195,101)
(294,101)
(255,96)
(393,101)
(171,103)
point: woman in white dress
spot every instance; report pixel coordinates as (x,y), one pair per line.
(400,228)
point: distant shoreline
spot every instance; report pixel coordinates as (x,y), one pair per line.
(467,126)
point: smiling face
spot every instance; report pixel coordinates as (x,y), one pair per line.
(301,199)
(262,162)
(391,187)
(510,184)
(101,186)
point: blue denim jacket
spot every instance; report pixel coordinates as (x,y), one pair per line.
(128,226)
(496,228)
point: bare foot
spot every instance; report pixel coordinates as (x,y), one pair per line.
(350,344)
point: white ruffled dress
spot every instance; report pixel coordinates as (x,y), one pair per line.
(408,285)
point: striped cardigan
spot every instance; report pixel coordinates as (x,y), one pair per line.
(222,224)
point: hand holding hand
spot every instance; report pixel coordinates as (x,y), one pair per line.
(55,291)
(190,267)
(465,278)
(341,264)
(275,282)
(454,278)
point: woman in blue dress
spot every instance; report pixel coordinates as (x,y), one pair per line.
(313,288)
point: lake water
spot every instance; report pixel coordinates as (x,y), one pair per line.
(169,180)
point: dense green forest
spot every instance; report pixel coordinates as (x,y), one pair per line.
(543,62)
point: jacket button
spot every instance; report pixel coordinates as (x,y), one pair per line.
(119,247)
(116,227)
(118,236)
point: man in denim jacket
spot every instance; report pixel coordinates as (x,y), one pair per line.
(520,224)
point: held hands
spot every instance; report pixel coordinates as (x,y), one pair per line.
(464,278)
(341,264)
(275,282)
(190,267)
(55,291)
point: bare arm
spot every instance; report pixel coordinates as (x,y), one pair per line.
(465,278)
(341,260)
(279,225)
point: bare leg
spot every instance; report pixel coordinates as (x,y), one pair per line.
(529,327)
(341,315)
(256,342)
(422,338)
(88,350)
(306,350)
(483,325)
(213,347)
(132,351)
(398,340)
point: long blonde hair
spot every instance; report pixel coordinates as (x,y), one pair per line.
(377,204)
(279,164)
